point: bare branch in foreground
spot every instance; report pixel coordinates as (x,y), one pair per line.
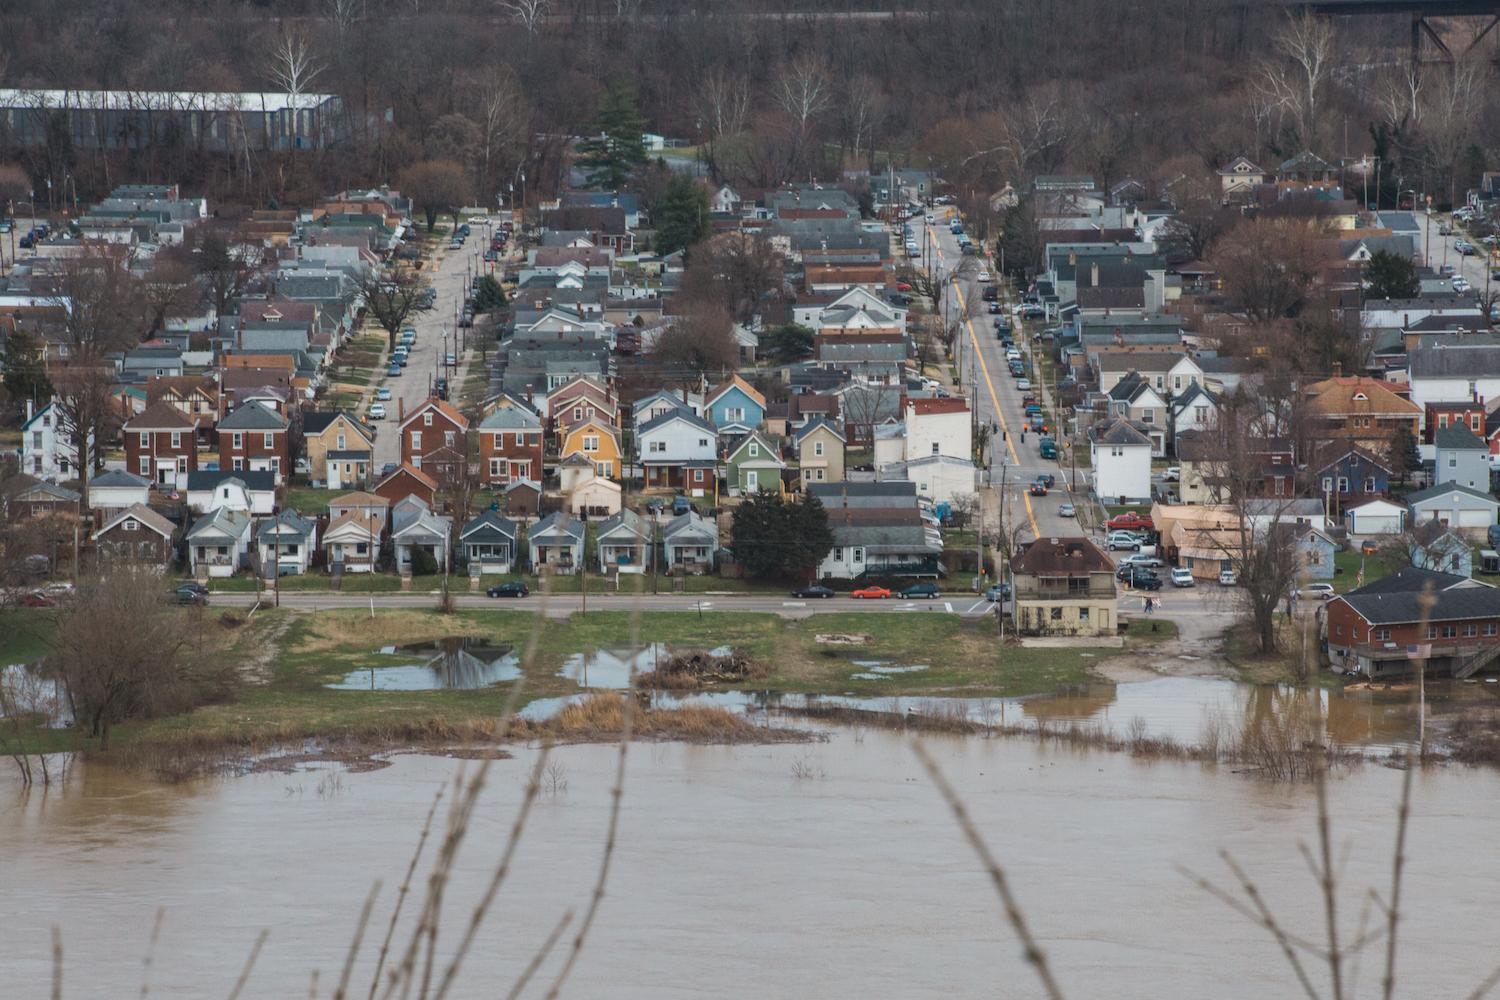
(239,984)
(540,956)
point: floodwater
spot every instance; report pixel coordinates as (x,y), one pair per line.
(457,662)
(611,669)
(734,877)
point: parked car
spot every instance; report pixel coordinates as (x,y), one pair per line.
(994,307)
(816,592)
(1140,579)
(1461,284)
(382,394)
(1318,591)
(377,411)
(190,594)
(451,360)
(1173,473)
(394,370)
(1037,489)
(1182,577)
(1130,521)
(681,504)
(1023,384)
(871,593)
(1140,559)
(1123,540)
(1227,578)
(997,592)
(917,590)
(511,588)
(1067,510)
(1047,479)
(1369,546)
(37,599)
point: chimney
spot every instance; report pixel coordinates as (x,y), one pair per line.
(1338,369)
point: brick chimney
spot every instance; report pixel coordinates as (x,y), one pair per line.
(1338,369)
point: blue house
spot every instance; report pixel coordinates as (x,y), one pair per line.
(1352,477)
(1447,553)
(735,407)
(1317,551)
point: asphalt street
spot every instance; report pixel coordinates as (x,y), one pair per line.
(1438,250)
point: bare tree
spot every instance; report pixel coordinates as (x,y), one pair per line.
(1295,87)
(698,345)
(345,14)
(741,271)
(391,297)
(293,68)
(864,107)
(723,101)
(804,91)
(168,289)
(530,13)
(1269,265)
(226,261)
(505,120)
(436,185)
(1448,119)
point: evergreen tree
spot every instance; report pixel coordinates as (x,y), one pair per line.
(681,215)
(617,146)
(1391,276)
(777,538)
(1405,458)
(788,342)
(489,296)
(25,375)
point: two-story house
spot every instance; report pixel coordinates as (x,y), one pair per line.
(1349,475)
(253,438)
(1360,410)
(510,446)
(1120,453)
(820,453)
(1063,586)
(679,450)
(430,428)
(736,407)
(340,450)
(47,450)
(753,465)
(1133,399)
(580,399)
(1462,458)
(1451,621)
(939,426)
(598,442)
(161,445)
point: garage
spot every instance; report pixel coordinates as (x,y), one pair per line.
(1377,517)
(1454,506)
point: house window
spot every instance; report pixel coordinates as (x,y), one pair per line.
(269,441)
(1489,628)
(495,466)
(1432,631)
(144,439)
(577,413)
(658,446)
(416,440)
(603,468)
(1176,382)
(1083,614)
(1343,484)
(239,464)
(754,450)
(1442,421)
(1327,484)
(1116,452)
(1474,422)
(838,553)
(1338,630)
(520,440)
(1280,485)
(341,442)
(1055,614)
(591,443)
(1470,631)
(1200,414)
(176,440)
(936,448)
(818,448)
(1369,484)
(1381,634)
(703,442)
(448,437)
(131,524)
(237,441)
(145,465)
(697,475)
(427,420)
(857,555)
(1148,416)
(1450,631)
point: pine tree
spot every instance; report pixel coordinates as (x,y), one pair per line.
(617,146)
(25,375)
(1391,277)
(778,538)
(681,215)
(489,296)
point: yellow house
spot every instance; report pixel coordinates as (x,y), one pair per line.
(596,441)
(340,450)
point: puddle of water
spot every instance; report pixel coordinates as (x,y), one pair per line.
(31,693)
(610,669)
(458,663)
(884,671)
(545,708)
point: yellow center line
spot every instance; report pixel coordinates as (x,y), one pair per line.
(984,369)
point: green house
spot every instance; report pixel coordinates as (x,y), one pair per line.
(754,465)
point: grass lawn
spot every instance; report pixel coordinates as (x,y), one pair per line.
(24,635)
(307,500)
(1346,566)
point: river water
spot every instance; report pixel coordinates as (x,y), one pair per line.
(735,877)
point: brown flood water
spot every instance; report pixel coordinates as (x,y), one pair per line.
(734,878)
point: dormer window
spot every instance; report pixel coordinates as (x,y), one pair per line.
(1360,397)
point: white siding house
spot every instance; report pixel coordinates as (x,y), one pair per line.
(1121,457)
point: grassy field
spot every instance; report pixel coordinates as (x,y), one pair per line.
(306,500)
(24,635)
(1346,569)
(634,583)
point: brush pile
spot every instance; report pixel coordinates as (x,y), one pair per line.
(690,671)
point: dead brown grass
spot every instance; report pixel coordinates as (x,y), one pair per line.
(337,630)
(599,718)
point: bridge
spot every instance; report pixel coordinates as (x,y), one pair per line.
(1420,11)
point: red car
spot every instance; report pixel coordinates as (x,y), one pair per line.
(1130,521)
(871,593)
(37,599)
(902,286)
(1038,489)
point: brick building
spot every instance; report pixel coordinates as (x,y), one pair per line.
(161,445)
(1383,629)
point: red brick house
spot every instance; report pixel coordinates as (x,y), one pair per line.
(1383,627)
(510,446)
(407,481)
(253,438)
(161,445)
(1470,413)
(429,428)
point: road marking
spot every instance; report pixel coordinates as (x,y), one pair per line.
(948,606)
(794,604)
(976,604)
(984,369)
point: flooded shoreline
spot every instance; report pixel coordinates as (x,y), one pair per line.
(835,863)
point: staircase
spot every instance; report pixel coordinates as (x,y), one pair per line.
(1475,662)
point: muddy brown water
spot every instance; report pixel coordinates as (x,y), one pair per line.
(734,878)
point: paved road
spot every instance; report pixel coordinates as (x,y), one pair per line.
(1438,250)
(435,336)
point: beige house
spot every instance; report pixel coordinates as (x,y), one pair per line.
(593,496)
(820,453)
(339,439)
(1064,586)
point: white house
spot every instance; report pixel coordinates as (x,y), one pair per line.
(624,542)
(690,541)
(939,478)
(557,541)
(1462,457)
(117,490)
(488,543)
(219,542)
(352,541)
(1121,457)
(678,450)
(857,308)
(285,543)
(1449,369)
(1377,517)
(254,492)
(1195,409)
(939,426)
(649,407)
(47,451)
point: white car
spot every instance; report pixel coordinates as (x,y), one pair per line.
(1182,577)
(983,277)
(1461,284)
(478,220)
(1141,559)
(1319,591)
(1123,540)
(1011,354)
(1173,473)
(1227,578)
(377,411)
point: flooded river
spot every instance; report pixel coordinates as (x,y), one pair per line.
(821,870)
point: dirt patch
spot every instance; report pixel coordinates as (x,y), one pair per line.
(841,639)
(260,646)
(327,631)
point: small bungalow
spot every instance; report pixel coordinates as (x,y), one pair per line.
(487,544)
(415,528)
(136,534)
(253,492)
(285,543)
(556,541)
(820,453)
(1376,517)
(624,542)
(219,542)
(359,502)
(755,464)
(407,481)
(37,496)
(691,542)
(1454,506)
(352,542)
(1317,550)
(1447,553)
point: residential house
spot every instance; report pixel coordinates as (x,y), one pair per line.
(1450,621)
(736,406)
(415,528)
(624,540)
(1376,517)
(1316,548)
(820,453)
(1449,368)
(136,534)
(1447,553)
(510,446)
(284,544)
(1120,453)
(218,543)
(679,450)
(1194,409)
(487,543)
(556,542)
(250,492)
(651,406)
(690,542)
(340,450)
(115,490)
(359,502)
(754,464)
(596,441)
(1454,505)
(1064,586)
(939,426)
(939,478)
(161,445)
(1437,416)
(26,496)
(407,481)
(878,532)
(578,400)
(1200,538)
(351,543)
(194,397)
(1239,179)
(430,428)
(1135,401)
(1462,457)
(590,495)
(1354,476)
(47,449)
(522,498)
(253,438)
(1359,410)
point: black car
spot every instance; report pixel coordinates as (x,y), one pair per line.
(194,594)
(813,591)
(515,588)
(1143,580)
(1047,478)
(920,590)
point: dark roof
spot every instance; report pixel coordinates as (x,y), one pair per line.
(159,416)
(210,479)
(1444,488)
(253,416)
(1400,606)
(1117,432)
(1455,356)
(1061,557)
(1457,437)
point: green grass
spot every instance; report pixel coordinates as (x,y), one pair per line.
(1346,566)
(24,635)
(307,500)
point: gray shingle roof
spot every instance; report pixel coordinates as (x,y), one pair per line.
(253,416)
(1457,437)
(1442,489)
